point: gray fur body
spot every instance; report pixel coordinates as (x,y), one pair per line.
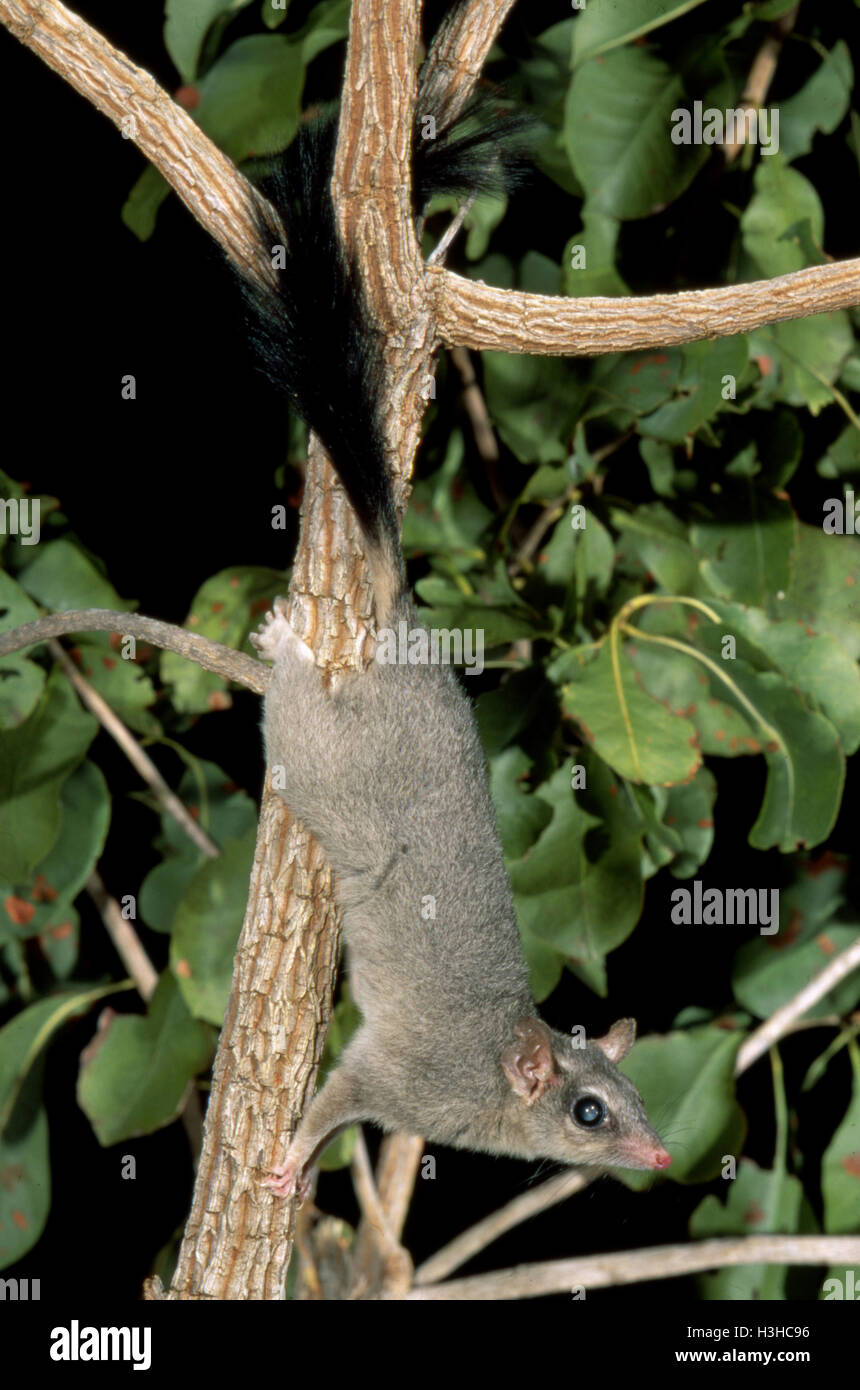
(404,815)
(387,771)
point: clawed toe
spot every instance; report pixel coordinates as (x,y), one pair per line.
(276,639)
(287,1180)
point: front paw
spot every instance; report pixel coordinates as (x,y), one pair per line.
(276,640)
(289,1179)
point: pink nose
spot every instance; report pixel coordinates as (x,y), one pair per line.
(661,1159)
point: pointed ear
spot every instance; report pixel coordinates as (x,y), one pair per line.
(619,1039)
(528,1062)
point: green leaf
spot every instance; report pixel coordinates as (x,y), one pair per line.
(483,217)
(206,929)
(164,887)
(186,25)
(661,844)
(25,1192)
(545,964)
(62,578)
(818,1068)
(840,1166)
(250,98)
(811,353)
(581,907)
(842,459)
(636,735)
(41,905)
(820,104)
(23,1039)
(35,760)
(60,946)
(758,1203)
(780,449)
(21,680)
(120,680)
(224,812)
(600,28)
(781,198)
(690,814)
(748,559)
(824,586)
(521,817)
(666,480)
(771,970)
(534,403)
(445,516)
(495,610)
(627,387)
(581,559)
(547,482)
(136,1072)
(816,665)
(690,690)
(662,544)
(140,209)
(588,259)
(806,766)
(226,608)
(849,377)
(686,1080)
(618,116)
(503,713)
(327,24)
(707,369)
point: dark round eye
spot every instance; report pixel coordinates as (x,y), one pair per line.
(588,1111)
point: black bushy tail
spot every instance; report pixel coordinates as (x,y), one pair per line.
(483,150)
(315,340)
(313,334)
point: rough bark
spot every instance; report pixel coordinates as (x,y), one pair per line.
(239,1236)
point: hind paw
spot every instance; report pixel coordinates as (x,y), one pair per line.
(276,640)
(289,1179)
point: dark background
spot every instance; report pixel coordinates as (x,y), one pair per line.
(179,484)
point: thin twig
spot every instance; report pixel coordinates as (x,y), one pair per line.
(437,255)
(131,952)
(396,1170)
(396,1261)
(368,1197)
(762,73)
(554,510)
(552,513)
(399,1157)
(780,1022)
(638,1266)
(124,937)
(212,656)
(483,1233)
(476,407)
(140,760)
